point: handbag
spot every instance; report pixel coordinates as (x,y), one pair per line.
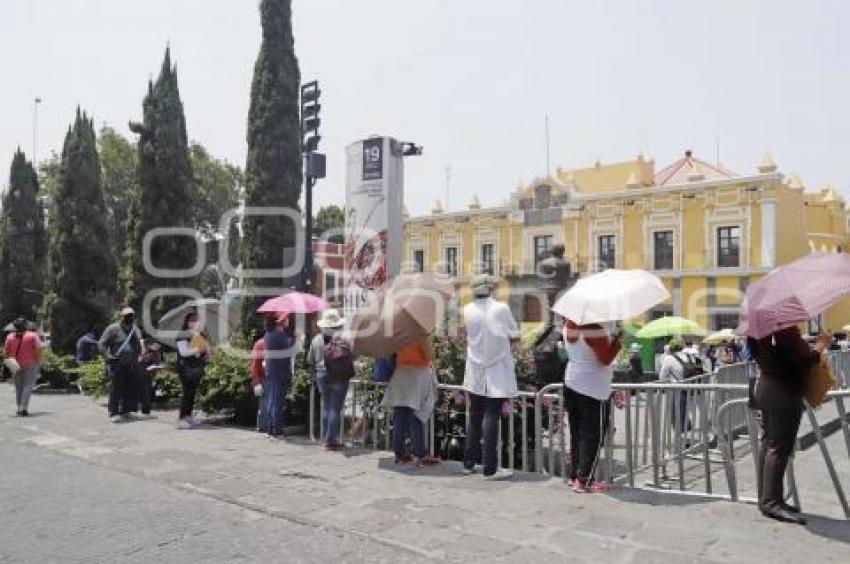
(12,362)
(818,382)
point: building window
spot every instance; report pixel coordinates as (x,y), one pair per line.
(487,258)
(419,260)
(724,321)
(729,246)
(451,261)
(607,252)
(663,250)
(542,246)
(331,288)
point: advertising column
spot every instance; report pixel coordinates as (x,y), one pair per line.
(374,197)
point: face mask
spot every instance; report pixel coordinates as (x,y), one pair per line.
(129,320)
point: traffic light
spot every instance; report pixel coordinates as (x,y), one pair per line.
(310,120)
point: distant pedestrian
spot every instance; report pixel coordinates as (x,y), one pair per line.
(121,344)
(150,364)
(490,377)
(635,364)
(278,345)
(331,360)
(86,349)
(679,367)
(784,360)
(22,350)
(592,349)
(411,394)
(258,376)
(193,353)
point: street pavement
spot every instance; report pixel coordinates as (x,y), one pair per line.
(75,488)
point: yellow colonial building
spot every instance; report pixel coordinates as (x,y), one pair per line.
(706,231)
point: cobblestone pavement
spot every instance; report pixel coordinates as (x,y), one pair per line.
(75,488)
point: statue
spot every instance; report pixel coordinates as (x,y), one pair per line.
(555,274)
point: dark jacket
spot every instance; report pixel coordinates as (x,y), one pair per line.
(784,360)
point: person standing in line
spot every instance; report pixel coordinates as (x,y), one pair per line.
(121,344)
(333,386)
(490,377)
(784,360)
(86,348)
(278,344)
(150,363)
(592,349)
(674,370)
(193,352)
(22,350)
(411,394)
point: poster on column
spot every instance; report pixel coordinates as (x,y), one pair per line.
(374,198)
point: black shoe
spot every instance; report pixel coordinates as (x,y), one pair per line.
(782,514)
(789,507)
(24,413)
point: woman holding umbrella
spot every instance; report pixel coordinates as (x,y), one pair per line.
(784,359)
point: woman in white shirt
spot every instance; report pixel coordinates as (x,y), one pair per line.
(591,349)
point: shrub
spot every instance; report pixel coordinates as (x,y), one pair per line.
(58,372)
(226,388)
(93,379)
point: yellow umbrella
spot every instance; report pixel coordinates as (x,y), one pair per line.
(720,337)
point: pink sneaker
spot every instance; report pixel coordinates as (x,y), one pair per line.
(600,487)
(578,487)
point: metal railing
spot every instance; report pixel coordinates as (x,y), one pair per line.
(654,426)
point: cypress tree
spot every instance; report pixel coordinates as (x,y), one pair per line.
(82,266)
(273,168)
(165,199)
(22,243)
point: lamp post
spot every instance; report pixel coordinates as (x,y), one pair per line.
(35,103)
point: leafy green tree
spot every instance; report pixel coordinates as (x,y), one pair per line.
(219,188)
(118,164)
(330,218)
(166,196)
(273,169)
(22,243)
(82,266)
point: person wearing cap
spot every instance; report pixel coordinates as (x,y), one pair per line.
(121,344)
(490,377)
(278,344)
(332,387)
(22,350)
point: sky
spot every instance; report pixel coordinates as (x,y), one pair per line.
(472,81)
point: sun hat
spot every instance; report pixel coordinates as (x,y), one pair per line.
(482,285)
(127,311)
(331,319)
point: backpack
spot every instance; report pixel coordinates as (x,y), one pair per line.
(339,360)
(690,367)
(383,370)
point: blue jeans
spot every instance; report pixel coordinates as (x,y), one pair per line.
(484,416)
(407,426)
(333,392)
(270,417)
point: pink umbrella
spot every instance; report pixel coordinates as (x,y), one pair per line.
(294,302)
(794,293)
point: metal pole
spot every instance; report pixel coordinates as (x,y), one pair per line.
(36,102)
(307,277)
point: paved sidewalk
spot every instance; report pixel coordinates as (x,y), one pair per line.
(248,497)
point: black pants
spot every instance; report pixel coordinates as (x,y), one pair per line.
(122,389)
(145,390)
(484,415)
(779,431)
(189,384)
(588,420)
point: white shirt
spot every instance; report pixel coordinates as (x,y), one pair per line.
(584,373)
(490,366)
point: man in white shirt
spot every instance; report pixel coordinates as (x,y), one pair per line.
(490,376)
(673,371)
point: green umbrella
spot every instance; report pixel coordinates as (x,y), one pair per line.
(668,327)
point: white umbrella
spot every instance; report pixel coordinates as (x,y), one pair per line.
(219,318)
(720,337)
(612,295)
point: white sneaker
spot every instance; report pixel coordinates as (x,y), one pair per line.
(146,416)
(468,471)
(195,422)
(116,419)
(501,474)
(184,424)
